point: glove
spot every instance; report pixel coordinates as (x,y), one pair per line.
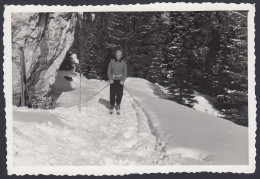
(111,81)
(122,83)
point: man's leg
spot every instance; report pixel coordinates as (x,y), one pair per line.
(112,94)
(119,95)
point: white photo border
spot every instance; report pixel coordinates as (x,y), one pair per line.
(123,170)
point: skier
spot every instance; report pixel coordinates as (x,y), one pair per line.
(116,72)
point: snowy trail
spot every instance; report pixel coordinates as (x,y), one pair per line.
(160,132)
(116,138)
(92,137)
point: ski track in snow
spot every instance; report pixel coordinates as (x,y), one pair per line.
(92,137)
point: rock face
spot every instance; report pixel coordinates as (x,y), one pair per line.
(43,39)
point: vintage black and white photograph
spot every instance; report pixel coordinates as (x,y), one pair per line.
(130,88)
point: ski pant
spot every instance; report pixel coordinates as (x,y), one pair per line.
(116,92)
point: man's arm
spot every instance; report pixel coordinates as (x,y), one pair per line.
(125,72)
(109,71)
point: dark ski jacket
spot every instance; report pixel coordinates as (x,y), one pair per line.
(117,70)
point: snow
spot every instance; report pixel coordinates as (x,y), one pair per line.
(205,104)
(192,134)
(150,131)
(93,16)
(75,58)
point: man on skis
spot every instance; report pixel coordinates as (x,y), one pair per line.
(117,73)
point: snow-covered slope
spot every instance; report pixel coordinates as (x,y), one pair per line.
(190,133)
(205,103)
(160,132)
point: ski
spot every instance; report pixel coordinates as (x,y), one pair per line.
(111,111)
(118,111)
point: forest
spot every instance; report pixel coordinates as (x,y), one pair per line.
(185,52)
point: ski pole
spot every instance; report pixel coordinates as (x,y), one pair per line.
(95,94)
(133,97)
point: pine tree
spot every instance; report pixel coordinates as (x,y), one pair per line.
(87,44)
(67,63)
(80,38)
(232,63)
(157,38)
(101,51)
(180,59)
(145,43)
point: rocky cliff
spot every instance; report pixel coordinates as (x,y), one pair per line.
(41,40)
